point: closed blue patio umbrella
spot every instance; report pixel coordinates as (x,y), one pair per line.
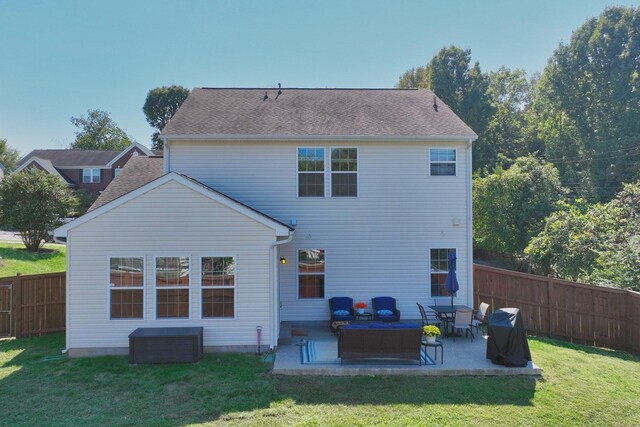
(451,283)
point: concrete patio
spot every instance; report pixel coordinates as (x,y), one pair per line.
(462,357)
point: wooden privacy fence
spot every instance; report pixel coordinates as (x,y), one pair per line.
(575,312)
(32,305)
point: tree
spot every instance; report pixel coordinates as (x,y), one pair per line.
(33,202)
(161,104)
(461,86)
(509,94)
(510,206)
(595,82)
(596,243)
(98,131)
(8,156)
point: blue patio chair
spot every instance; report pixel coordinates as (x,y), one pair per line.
(341,309)
(384,308)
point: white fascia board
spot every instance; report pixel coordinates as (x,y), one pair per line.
(281,230)
(141,147)
(341,138)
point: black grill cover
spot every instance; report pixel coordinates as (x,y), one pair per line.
(507,344)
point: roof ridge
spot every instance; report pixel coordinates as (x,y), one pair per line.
(312,88)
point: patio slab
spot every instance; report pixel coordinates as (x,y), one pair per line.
(462,357)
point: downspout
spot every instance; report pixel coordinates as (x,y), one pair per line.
(165,155)
(275,291)
(470,223)
(67,291)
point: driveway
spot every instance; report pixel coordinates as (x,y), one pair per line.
(9,236)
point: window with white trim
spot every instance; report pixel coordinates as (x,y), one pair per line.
(116,172)
(310,172)
(172,287)
(344,172)
(91,175)
(126,287)
(218,287)
(442,161)
(311,272)
(439,269)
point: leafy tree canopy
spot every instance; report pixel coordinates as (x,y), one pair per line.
(594,81)
(596,243)
(161,104)
(98,131)
(33,202)
(509,206)
(8,156)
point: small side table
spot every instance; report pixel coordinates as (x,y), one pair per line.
(364,316)
(435,345)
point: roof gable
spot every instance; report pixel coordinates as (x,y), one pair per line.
(300,113)
(46,165)
(280,228)
(63,158)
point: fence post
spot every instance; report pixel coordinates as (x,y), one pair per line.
(550,298)
(16,314)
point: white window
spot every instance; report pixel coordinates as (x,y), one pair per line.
(172,287)
(90,175)
(442,161)
(126,287)
(310,172)
(439,270)
(218,287)
(344,172)
(116,172)
(311,273)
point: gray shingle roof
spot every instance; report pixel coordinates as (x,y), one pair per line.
(71,158)
(316,112)
(137,172)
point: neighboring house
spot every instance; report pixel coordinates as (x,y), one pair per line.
(91,170)
(268,205)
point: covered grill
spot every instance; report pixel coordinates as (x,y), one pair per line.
(507,344)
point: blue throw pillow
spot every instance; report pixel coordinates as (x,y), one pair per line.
(341,313)
(385,312)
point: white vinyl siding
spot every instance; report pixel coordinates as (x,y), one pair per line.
(191,225)
(377,242)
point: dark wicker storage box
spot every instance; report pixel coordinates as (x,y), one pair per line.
(165,345)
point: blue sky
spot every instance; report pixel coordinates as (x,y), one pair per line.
(60,58)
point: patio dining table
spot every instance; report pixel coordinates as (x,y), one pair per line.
(447,312)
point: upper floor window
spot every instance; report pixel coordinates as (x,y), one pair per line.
(442,161)
(439,270)
(116,172)
(310,172)
(344,172)
(126,287)
(90,175)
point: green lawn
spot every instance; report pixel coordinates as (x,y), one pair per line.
(581,386)
(15,259)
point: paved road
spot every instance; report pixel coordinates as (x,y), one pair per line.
(9,236)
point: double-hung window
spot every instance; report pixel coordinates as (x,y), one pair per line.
(218,287)
(439,270)
(126,287)
(442,161)
(310,172)
(344,172)
(91,175)
(172,287)
(310,273)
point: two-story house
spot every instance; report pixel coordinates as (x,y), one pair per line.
(92,170)
(268,203)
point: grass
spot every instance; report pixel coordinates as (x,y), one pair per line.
(15,259)
(581,386)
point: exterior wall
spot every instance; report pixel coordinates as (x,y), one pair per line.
(376,244)
(170,220)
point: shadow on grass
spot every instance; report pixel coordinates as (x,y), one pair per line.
(617,354)
(107,390)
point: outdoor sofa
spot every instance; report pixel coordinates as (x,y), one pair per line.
(377,340)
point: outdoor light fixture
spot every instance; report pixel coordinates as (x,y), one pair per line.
(283,260)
